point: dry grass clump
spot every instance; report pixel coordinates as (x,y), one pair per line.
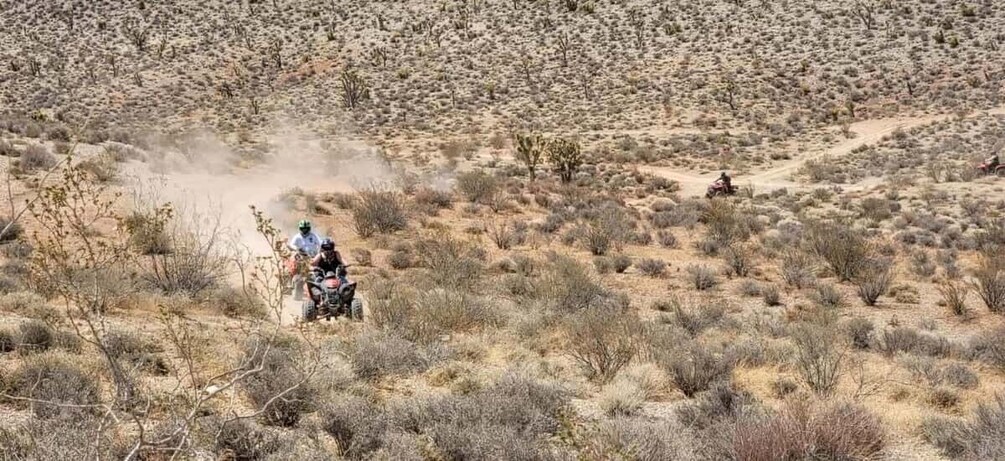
(978,437)
(806,431)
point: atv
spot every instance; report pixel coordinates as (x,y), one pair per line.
(986,169)
(331,296)
(718,188)
(296,266)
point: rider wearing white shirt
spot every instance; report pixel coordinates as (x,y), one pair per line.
(306,242)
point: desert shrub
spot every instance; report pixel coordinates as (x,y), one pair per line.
(35,336)
(362,256)
(477,186)
(702,277)
(844,249)
(739,261)
(7,149)
(860,332)
(568,287)
(36,157)
(874,280)
(981,436)
(837,431)
(12,234)
(129,347)
(58,133)
(620,263)
(8,341)
(450,263)
(666,238)
(58,388)
(989,346)
(696,318)
(647,440)
(400,259)
(451,311)
(278,376)
(356,423)
(819,356)
(243,439)
(797,269)
(101,167)
(378,354)
(827,295)
(694,368)
(379,212)
(726,224)
(602,341)
(772,295)
(954,296)
(652,267)
(782,387)
(721,404)
(433,199)
(621,398)
(960,375)
(943,398)
(989,282)
(195,263)
(909,340)
(922,264)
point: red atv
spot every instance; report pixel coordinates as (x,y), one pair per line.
(719,189)
(331,296)
(296,266)
(986,169)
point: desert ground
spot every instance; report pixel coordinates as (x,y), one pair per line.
(518,188)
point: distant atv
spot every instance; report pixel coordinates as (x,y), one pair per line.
(296,266)
(985,169)
(331,296)
(719,189)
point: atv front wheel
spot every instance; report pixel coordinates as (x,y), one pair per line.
(356,310)
(1000,172)
(310,311)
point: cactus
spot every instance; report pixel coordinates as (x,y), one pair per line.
(566,156)
(530,152)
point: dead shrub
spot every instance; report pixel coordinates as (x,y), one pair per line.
(772,295)
(909,340)
(279,377)
(450,263)
(694,368)
(378,354)
(838,431)
(739,261)
(844,249)
(652,267)
(873,280)
(827,295)
(702,277)
(695,318)
(58,388)
(989,283)
(667,239)
(954,296)
(602,341)
(819,356)
(379,212)
(36,157)
(797,269)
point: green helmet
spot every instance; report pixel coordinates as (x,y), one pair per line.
(304,225)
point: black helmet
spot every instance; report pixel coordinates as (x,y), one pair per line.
(327,244)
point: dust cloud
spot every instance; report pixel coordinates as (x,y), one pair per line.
(205,177)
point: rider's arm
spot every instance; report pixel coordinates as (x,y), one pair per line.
(293,244)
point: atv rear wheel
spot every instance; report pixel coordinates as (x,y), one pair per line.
(1000,172)
(356,310)
(310,311)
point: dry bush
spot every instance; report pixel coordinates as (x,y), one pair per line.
(797,269)
(819,356)
(954,296)
(726,224)
(860,332)
(8,341)
(101,167)
(960,376)
(702,277)
(194,263)
(379,212)
(644,439)
(989,281)
(652,267)
(378,354)
(602,341)
(772,295)
(279,376)
(11,235)
(739,261)
(827,295)
(478,186)
(450,263)
(837,431)
(621,398)
(59,438)
(695,318)
(694,368)
(873,280)
(57,388)
(568,287)
(909,340)
(242,439)
(35,336)
(989,346)
(979,437)
(36,157)
(433,200)
(719,407)
(666,238)
(844,249)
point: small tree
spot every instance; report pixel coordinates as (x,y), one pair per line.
(566,156)
(819,356)
(354,89)
(530,152)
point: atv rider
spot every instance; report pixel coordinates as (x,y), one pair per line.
(329,260)
(305,244)
(993,162)
(727,182)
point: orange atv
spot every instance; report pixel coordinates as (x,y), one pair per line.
(297,266)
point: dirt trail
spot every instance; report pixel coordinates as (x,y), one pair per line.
(778,176)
